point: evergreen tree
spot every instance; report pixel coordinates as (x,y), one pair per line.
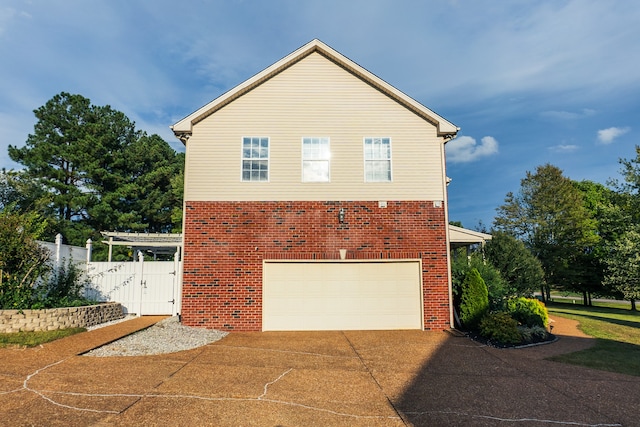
(520,269)
(97,172)
(474,300)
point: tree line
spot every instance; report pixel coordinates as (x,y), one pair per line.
(584,234)
(87,169)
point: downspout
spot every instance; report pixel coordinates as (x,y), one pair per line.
(445,182)
(184,138)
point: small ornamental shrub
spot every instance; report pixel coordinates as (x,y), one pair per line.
(500,328)
(64,287)
(474,299)
(528,312)
(533,334)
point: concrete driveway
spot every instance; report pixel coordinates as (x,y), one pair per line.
(395,378)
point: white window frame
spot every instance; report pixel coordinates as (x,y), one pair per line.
(326,158)
(368,161)
(252,159)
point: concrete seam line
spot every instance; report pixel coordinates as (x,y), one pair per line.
(398,413)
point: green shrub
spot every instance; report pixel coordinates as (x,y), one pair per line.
(528,312)
(22,260)
(474,299)
(520,269)
(500,328)
(496,285)
(533,334)
(63,288)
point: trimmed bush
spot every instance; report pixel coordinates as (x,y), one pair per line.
(474,301)
(533,334)
(528,312)
(500,328)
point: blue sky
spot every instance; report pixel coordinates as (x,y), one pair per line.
(528,82)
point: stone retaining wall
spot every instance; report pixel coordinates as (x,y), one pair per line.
(58,318)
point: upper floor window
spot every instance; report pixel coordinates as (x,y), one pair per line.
(255,159)
(315,159)
(377,159)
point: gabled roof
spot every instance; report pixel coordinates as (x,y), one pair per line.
(183,128)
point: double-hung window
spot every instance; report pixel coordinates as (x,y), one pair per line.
(255,158)
(315,159)
(377,159)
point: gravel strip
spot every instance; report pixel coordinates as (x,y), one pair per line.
(166,336)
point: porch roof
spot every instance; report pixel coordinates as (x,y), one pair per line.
(460,237)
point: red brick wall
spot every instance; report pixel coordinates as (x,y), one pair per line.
(226,242)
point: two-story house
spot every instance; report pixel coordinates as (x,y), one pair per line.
(315,199)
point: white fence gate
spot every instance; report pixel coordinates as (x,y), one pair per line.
(143,288)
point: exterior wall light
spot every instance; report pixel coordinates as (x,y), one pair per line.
(341,215)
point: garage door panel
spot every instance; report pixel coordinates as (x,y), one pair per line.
(342,296)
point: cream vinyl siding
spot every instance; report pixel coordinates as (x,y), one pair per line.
(313,97)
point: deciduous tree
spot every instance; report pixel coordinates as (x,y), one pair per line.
(623,266)
(549,216)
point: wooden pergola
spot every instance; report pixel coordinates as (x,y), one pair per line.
(155,243)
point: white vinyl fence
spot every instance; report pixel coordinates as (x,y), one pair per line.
(143,288)
(61,254)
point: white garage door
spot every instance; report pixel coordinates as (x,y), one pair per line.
(308,296)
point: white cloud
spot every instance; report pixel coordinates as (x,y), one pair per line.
(568,115)
(465,149)
(564,148)
(606,136)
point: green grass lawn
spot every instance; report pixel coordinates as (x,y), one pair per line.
(617,333)
(574,298)
(32,339)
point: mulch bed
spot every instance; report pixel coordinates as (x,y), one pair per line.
(478,338)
